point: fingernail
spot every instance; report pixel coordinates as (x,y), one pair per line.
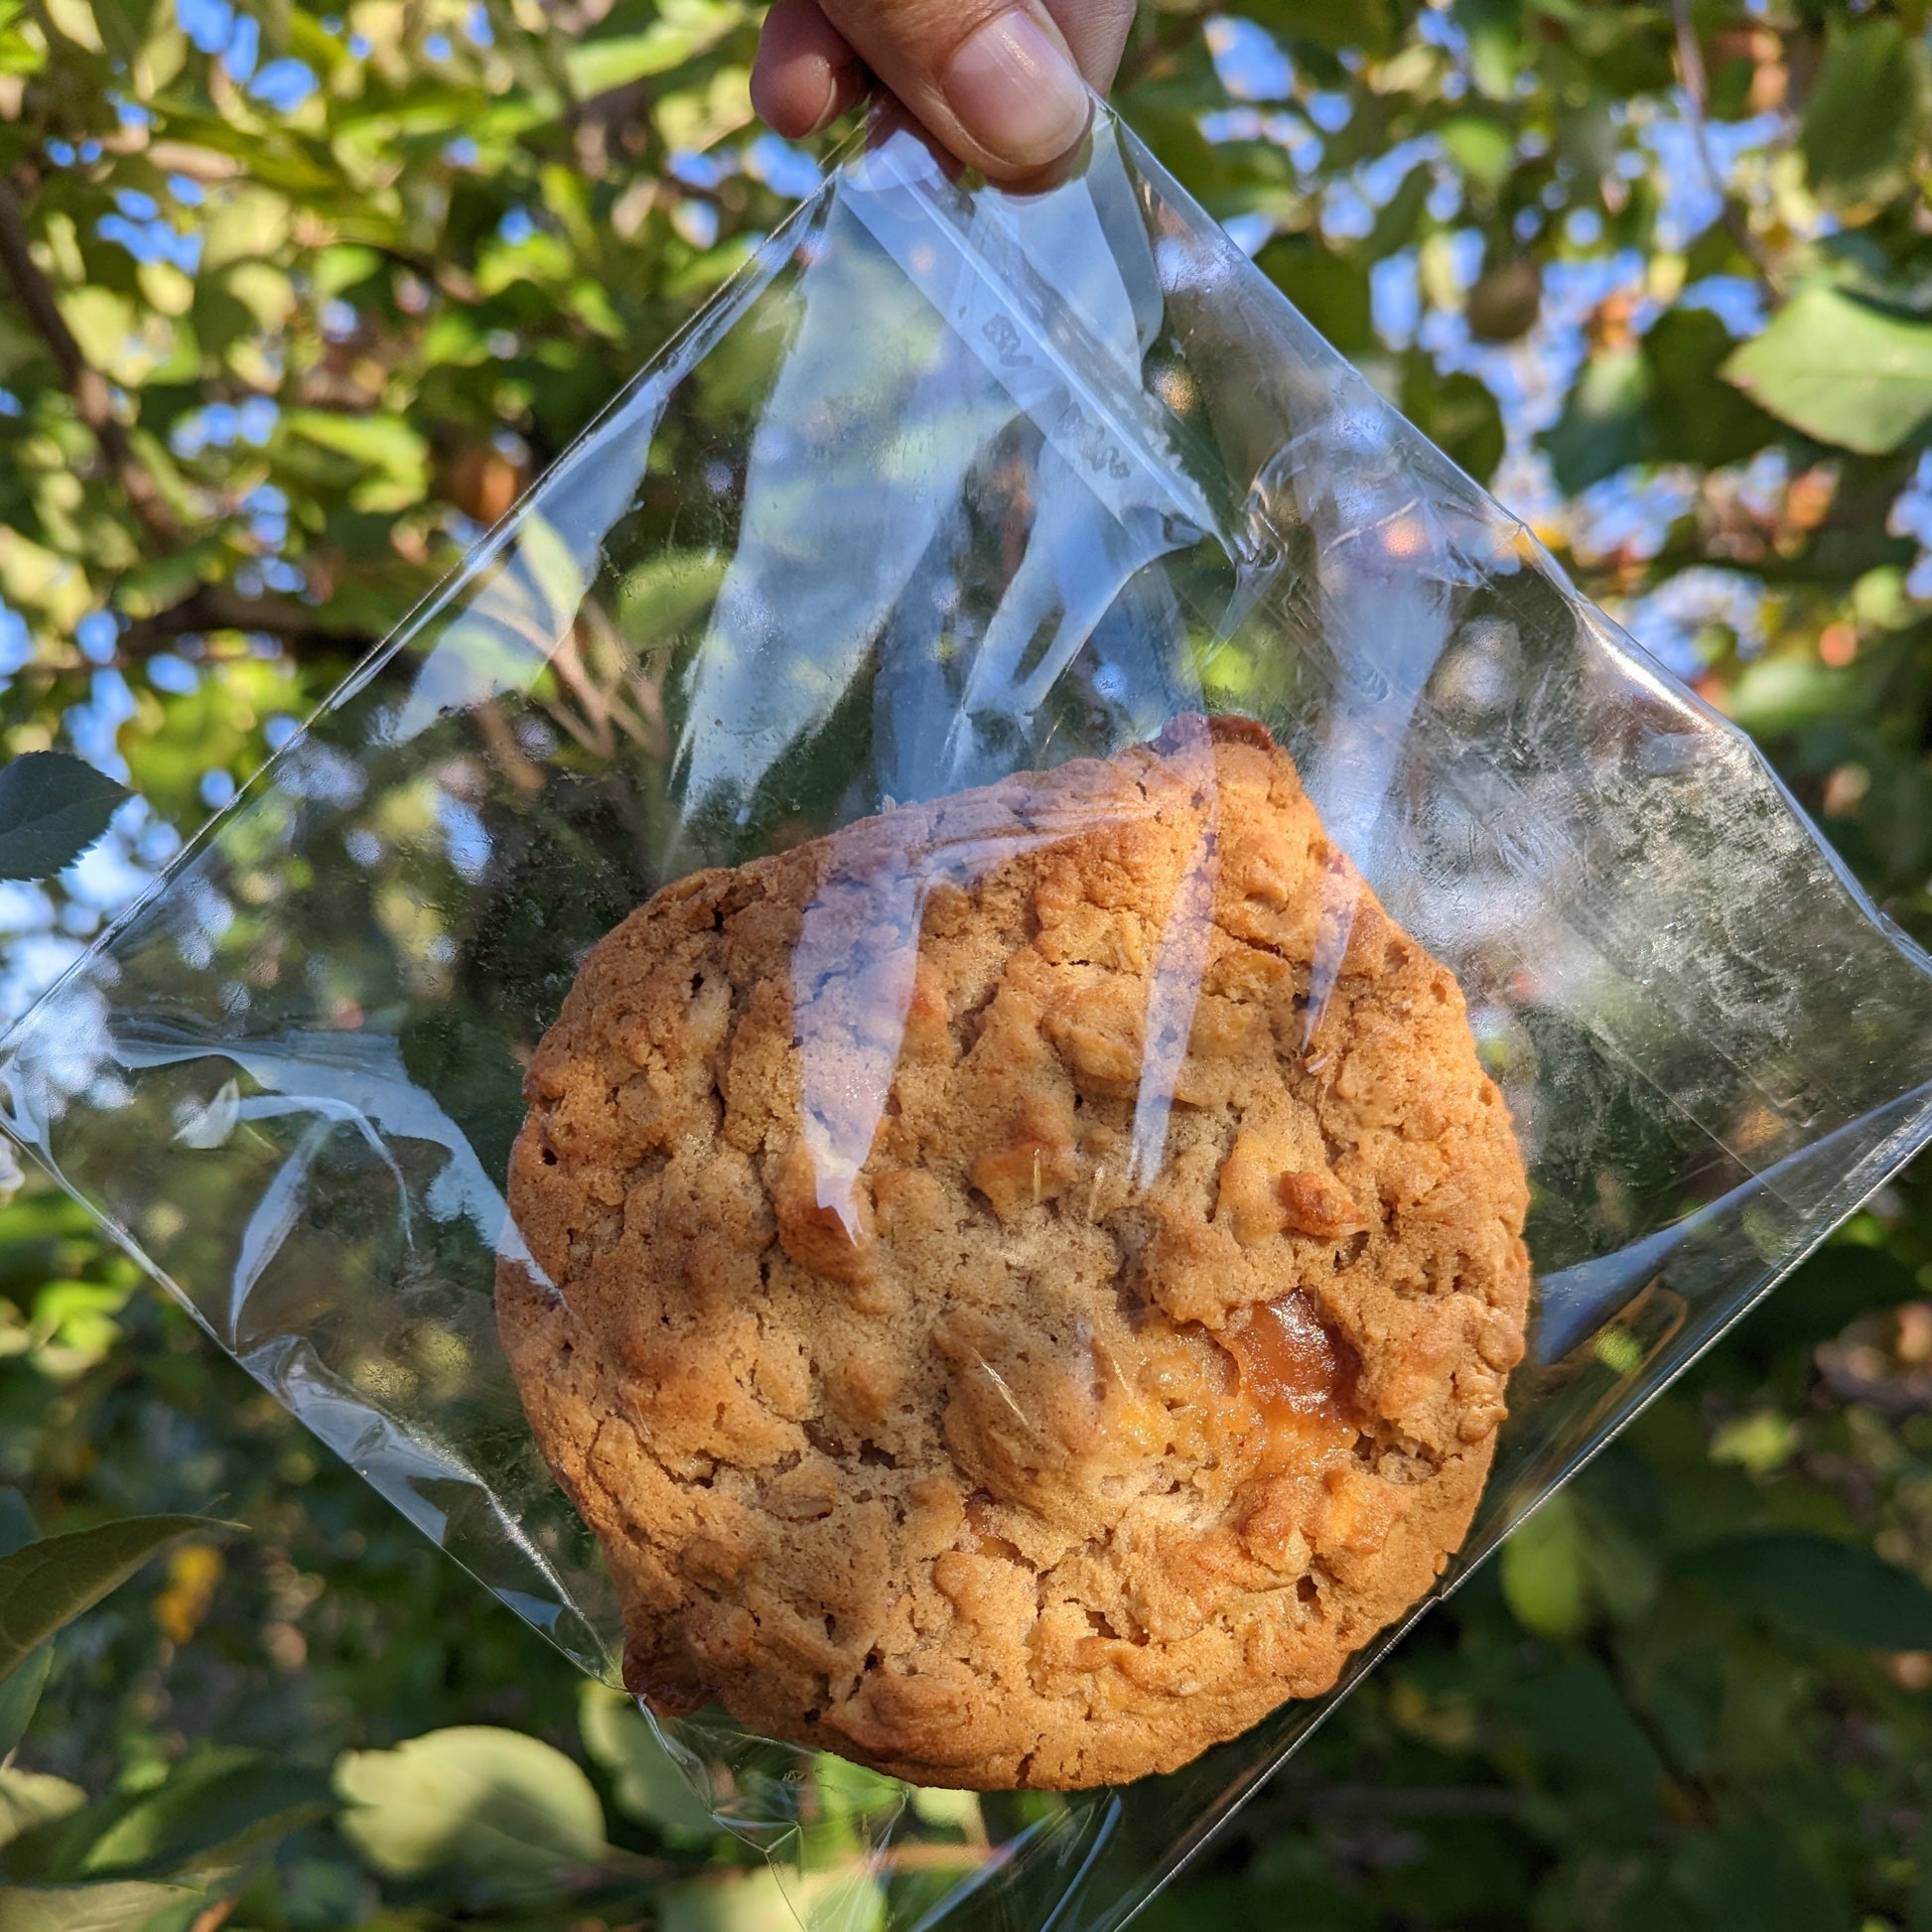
(834,102)
(827,103)
(1015,92)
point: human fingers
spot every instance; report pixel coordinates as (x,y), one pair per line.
(1095,32)
(805,74)
(995,82)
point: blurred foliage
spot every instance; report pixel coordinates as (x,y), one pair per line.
(295,303)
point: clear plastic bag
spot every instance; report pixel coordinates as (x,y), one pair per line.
(951,484)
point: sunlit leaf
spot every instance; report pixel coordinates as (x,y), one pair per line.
(764,1901)
(695,118)
(75,20)
(1841,370)
(244,224)
(1776,695)
(1545,1580)
(664,594)
(682,29)
(1482,147)
(30,1798)
(508,1815)
(119,1908)
(848,1790)
(645,1782)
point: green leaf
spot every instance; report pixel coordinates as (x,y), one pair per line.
(1776,695)
(247,224)
(51,1583)
(848,1790)
(1544,1576)
(956,1811)
(543,560)
(210,1813)
(646,1783)
(1482,148)
(1865,112)
(1843,1593)
(1328,288)
(1494,32)
(665,593)
(682,29)
(1606,425)
(1841,370)
(52,807)
(161,581)
(381,442)
(1399,222)
(1694,416)
(17,1525)
(1365,24)
(1753,1878)
(763,1901)
(696,118)
(74,20)
(30,1798)
(1455,412)
(382,456)
(509,1814)
(86,1908)
(20,1696)
(340,268)
(114,335)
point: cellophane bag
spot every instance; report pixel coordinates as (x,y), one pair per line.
(949,484)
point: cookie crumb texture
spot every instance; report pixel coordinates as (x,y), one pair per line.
(994,1334)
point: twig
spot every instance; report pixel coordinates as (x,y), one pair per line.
(1697,95)
(220,606)
(1700,1797)
(93,399)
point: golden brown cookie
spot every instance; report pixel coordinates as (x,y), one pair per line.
(1034,1274)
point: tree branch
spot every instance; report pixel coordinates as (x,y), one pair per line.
(220,606)
(93,399)
(1697,95)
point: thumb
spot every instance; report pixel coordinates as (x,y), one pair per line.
(992,79)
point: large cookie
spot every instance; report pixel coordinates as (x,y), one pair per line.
(1034,1274)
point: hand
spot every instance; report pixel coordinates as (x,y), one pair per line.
(998,82)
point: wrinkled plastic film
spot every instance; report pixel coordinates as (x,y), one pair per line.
(951,484)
